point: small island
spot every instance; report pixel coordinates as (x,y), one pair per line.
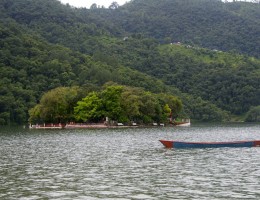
(111,107)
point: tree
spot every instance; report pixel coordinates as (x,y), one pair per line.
(171,102)
(94,6)
(111,97)
(131,102)
(253,114)
(148,107)
(56,105)
(89,109)
(166,112)
(35,114)
(114,5)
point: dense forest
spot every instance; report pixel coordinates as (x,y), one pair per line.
(115,102)
(203,52)
(212,24)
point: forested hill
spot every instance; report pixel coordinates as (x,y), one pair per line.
(213,24)
(207,23)
(45,45)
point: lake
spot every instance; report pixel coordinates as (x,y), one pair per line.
(128,164)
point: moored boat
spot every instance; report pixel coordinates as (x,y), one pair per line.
(181,144)
(184,122)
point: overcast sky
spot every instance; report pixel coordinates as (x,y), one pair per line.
(88,3)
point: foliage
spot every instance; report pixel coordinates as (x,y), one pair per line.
(253,114)
(228,80)
(56,105)
(111,98)
(90,108)
(45,45)
(119,103)
(211,24)
(29,66)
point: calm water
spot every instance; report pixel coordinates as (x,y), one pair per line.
(128,164)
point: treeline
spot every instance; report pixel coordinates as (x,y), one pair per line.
(118,103)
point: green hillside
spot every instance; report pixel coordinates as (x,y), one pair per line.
(211,24)
(46,45)
(231,81)
(31,66)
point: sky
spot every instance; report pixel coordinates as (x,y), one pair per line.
(88,3)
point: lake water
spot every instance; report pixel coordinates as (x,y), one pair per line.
(128,164)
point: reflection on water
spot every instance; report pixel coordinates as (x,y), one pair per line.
(128,164)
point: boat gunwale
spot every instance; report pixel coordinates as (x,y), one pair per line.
(231,142)
(173,143)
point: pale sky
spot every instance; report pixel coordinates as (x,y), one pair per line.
(88,3)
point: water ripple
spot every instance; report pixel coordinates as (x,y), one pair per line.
(128,164)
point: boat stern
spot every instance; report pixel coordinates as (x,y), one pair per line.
(256,143)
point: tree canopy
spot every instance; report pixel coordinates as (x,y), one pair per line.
(118,103)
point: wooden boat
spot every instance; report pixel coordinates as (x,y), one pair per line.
(184,122)
(180,144)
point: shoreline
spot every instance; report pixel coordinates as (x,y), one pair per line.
(92,126)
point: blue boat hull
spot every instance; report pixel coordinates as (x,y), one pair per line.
(178,144)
